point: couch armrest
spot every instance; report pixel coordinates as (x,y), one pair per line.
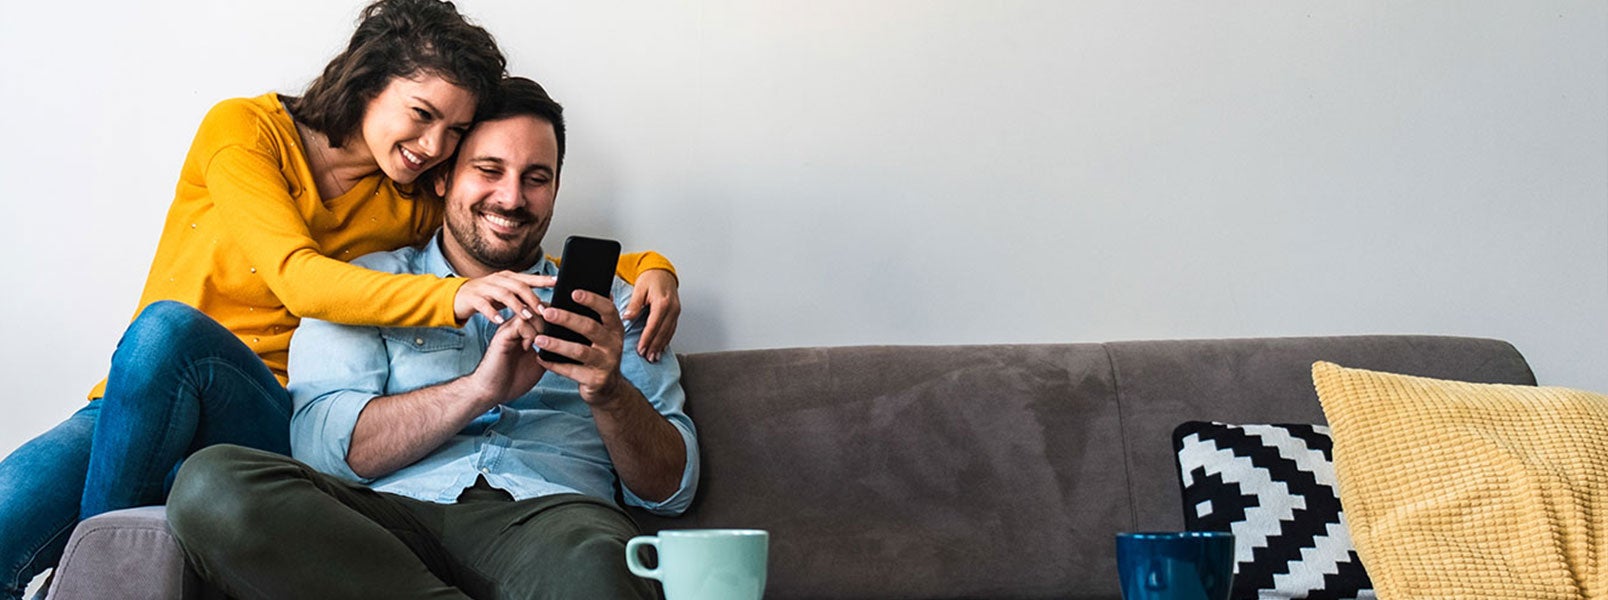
(124,554)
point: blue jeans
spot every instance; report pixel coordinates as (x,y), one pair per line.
(179,382)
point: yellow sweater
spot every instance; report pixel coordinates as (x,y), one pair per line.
(249,242)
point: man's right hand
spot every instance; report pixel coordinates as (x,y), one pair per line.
(394,431)
(510,367)
(503,289)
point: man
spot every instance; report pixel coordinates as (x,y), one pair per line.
(430,465)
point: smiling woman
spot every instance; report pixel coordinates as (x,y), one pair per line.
(410,126)
(276,195)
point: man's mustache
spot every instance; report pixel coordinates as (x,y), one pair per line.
(512,215)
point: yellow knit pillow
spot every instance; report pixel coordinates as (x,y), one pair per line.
(1462,490)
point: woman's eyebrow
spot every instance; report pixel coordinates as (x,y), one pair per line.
(436,112)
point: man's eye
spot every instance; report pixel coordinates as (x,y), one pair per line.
(489,172)
(535,181)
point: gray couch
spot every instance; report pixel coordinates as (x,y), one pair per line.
(932,472)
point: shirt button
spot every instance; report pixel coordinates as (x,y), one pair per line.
(418,341)
(484,470)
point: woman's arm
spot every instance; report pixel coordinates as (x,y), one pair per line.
(241,170)
(237,165)
(257,210)
(656,290)
(633,265)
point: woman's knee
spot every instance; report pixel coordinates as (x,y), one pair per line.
(162,323)
(168,344)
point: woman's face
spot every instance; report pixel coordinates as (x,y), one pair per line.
(414,124)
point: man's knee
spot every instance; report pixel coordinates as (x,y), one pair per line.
(586,543)
(597,559)
(213,502)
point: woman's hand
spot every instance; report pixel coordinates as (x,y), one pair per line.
(657,289)
(503,289)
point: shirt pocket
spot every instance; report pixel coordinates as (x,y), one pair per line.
(421,357)
(419,339)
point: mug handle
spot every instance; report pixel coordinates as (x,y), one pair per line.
(633,559)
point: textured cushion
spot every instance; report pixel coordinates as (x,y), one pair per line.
(1468,490)
(1273,487)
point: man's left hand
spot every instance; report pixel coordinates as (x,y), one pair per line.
(598,371)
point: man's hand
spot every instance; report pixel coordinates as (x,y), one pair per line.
(598,371)
(648,452)
(655,292)
(510,367)
(395,431)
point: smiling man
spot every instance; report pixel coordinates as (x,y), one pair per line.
(454,462)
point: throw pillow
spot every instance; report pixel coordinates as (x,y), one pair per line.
(1462,490)
(1272,486)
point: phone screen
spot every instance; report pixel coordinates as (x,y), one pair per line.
(588,264)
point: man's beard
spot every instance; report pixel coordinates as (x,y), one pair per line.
(494,253)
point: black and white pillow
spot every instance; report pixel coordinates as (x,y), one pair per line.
(1273,486)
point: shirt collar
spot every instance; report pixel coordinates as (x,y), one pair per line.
(434,261)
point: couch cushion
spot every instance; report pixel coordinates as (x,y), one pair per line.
(1457,489)
(914,472)
(122,554)
(1273,486)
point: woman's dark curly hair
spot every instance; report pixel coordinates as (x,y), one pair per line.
(399,38)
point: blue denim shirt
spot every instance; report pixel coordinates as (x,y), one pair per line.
(544,442)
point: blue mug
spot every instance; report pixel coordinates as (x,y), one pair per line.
(1184,565)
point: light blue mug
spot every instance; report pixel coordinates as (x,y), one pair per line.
(705,564)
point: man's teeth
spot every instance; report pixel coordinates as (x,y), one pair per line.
(502,222)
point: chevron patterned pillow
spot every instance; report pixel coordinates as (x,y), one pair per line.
(1273,486)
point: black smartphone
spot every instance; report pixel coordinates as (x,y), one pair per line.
(588,264)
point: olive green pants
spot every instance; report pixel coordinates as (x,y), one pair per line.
(261,525)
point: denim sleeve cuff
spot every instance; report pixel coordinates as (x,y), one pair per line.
(321,435)
(678,502)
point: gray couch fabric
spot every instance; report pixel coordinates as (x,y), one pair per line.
(999,471)
(124,554)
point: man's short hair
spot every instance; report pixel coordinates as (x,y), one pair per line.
(521,97)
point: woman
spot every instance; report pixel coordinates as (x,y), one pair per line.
(276,194)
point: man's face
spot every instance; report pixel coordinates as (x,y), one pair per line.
(500,196)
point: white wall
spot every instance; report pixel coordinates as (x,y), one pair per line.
(915,171)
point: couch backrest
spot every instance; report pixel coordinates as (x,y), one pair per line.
(1268,380)
(991,471)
